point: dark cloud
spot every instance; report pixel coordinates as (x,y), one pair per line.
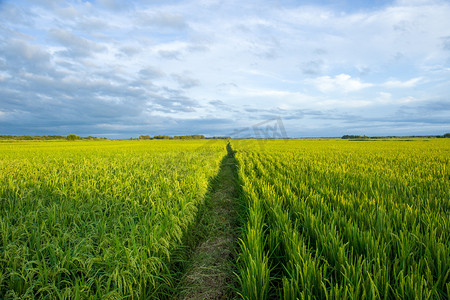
(130,50)
(435,106)
(197,48)
(185,81)
(312,67)
(446,43)
(427,112)
(40,98)
(20,56)
(226,86)
(168,54)
(151,73)
(363,70)
(219,105)
(84,104)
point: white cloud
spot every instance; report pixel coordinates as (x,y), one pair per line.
(26,50)
(252,92)
(77,46)
(148,56)
(384,97)
(416,2)
(351,103)
(165,20)
(402,84)
(67,12)
(114,4)
(339,83)
(4,76)
(408,100)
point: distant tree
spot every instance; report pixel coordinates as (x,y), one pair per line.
(144,137)
(73,137)
(218,138)
(189,137)
(447,135)
(347,136)
(162,137)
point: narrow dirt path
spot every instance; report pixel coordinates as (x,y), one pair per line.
(209,274)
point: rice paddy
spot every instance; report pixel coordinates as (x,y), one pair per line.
(334,219)
(320,219)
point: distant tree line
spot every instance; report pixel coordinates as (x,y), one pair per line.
(347,136)
(219,138)
(70,137)
(29,137)
(74,137)
(181,137)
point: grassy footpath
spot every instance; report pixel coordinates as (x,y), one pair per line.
(210,267)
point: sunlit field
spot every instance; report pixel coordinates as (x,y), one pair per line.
(336,219)
(319,219)
(97,219)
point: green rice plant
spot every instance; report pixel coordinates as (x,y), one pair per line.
(351,219)
(253,264)
(98,220)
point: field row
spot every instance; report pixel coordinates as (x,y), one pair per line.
(97,219)
(345,220)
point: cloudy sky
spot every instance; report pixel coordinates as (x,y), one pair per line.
(322,68)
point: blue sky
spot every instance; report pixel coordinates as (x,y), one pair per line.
(325,68)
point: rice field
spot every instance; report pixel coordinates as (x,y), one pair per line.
(97,220)
(320,219)
(335,219)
